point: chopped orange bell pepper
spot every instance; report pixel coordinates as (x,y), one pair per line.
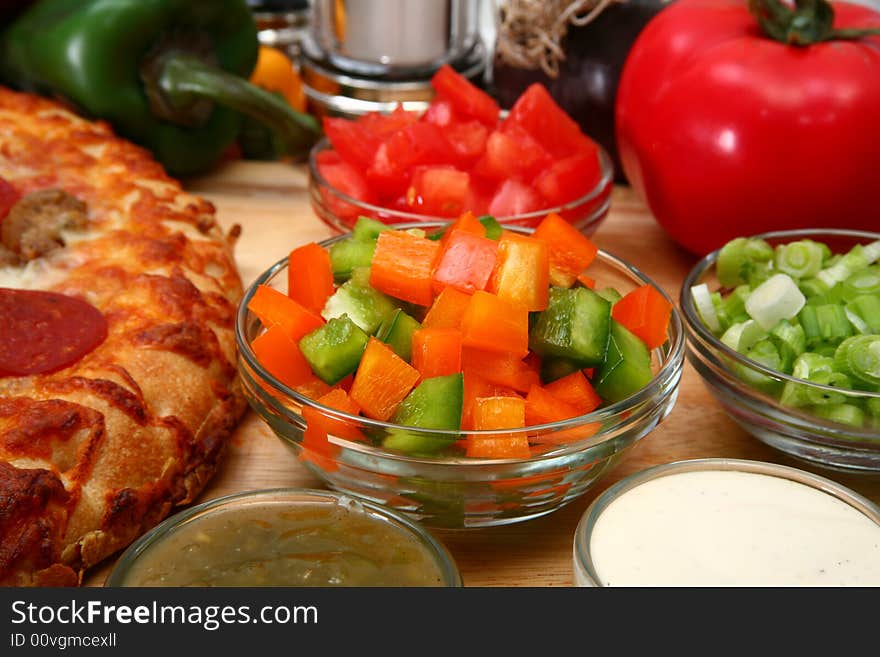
(402,266)
(504,412)
(281,356)
(310,276)
(495,324)
(500,369)
(466,262)
(575,390)
(586,281)
(522,271)
(475,386)
(646,313)
(447,310)
(541,407)
(319,425)
(498,447)
(492,413)
(466,222)
(382,381)
(436,351)
(570,250)
(275,308)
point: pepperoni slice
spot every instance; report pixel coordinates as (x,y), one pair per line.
(43,332)
(8,197)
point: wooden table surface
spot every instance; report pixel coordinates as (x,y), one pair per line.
(270,202)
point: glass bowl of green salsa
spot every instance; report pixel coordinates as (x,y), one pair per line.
(286,537)
(784,328)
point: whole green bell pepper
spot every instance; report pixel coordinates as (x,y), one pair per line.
(167,74)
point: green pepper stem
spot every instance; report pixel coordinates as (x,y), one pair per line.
(808,22)
(181,84)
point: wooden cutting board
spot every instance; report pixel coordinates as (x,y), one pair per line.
(270,202)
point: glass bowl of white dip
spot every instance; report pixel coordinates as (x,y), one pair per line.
(728,522)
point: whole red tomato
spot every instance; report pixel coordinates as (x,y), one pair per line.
(724,131)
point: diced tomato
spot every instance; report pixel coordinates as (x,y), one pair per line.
(356,145)
(9,196)
(468,140)
(570,178)
(466,98)
(540,116)
(438,190)
(512,154)
(345,178)
(515,197)
(381,126)
(413,145)
(440,112)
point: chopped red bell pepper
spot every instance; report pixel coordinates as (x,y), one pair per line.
(646,313)
(466,262)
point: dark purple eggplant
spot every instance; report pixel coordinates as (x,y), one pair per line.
(587,84)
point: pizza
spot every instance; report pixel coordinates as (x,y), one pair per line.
(118,385)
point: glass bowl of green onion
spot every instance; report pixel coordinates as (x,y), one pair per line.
(784,328)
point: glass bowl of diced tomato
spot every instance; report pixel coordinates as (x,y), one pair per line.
(464,373)
(462,153)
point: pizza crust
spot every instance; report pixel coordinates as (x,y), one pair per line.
(95,454)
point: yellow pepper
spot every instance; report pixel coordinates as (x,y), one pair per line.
(275,72)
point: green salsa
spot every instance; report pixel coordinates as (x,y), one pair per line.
(275,544)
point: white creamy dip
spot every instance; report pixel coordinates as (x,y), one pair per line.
(732,528)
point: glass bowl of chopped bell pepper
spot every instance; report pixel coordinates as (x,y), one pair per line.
(464,396)
(784,328)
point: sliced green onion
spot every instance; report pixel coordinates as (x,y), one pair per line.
(859,257)
(859,358)
(738,257)
(860,325)
(813,287)
(825,323)
(790,341)
(706,307)
(800,259)
(848,414)
(735,304)
(743,336)
(868,310)
(766,354)
(775,299)
(864,281)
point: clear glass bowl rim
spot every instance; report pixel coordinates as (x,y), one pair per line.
(446,564)
(672,361)
(587,523)
(605,163)
(696,326)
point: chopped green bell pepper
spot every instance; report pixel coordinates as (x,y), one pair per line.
(334,350)
(433,404)
(575,326)
(365,306)
(627,368)
(397,331)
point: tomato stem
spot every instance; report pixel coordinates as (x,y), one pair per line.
(806,23)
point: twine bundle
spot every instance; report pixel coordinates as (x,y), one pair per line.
(530,32)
